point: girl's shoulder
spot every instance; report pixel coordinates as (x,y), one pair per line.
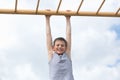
(50,55)
(68,54)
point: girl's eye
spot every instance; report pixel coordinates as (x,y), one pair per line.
(62,45)
(58,45)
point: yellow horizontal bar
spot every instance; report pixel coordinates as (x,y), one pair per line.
(53,12)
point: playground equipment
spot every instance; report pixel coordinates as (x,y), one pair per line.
(78,12)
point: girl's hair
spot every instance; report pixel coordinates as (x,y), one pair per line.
(61,39)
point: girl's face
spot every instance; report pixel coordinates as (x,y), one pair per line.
(59,47)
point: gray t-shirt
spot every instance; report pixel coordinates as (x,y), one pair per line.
(60,67)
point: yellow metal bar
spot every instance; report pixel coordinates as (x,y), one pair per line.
(79,6)
(100,7)
(53,12)
(59,6)
(117,11)
(37,6)
(16,5)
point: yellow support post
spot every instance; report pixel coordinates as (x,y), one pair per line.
(60,12)
(53,12)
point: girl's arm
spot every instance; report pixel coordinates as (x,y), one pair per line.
(48,37)
(68,36)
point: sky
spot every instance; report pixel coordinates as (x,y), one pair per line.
(95,41)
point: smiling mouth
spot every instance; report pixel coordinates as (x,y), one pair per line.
(59,49)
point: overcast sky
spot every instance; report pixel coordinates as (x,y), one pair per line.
(95,41)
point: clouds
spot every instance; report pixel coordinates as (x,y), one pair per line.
(116,29)
(95,46)
(25,57)
(18,72)
(97,73)
(6,33)
(24,72)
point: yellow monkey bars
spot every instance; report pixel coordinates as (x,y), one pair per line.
(61,12)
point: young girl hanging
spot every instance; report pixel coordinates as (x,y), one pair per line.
(59,53)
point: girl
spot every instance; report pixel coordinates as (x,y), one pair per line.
(59,53)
